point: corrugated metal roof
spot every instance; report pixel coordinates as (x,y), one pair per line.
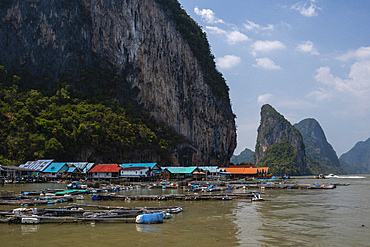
(84,166)
(55,167)
(38,165)
(211,169)
(106,168)
(88,167)
(181,170)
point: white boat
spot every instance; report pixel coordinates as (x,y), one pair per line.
(79,197)
(257,197)
(331,176)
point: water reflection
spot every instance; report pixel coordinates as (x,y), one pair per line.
(150,229)
(27,229)
(248,220)
(306,217)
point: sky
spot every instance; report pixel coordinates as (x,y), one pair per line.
(307,59)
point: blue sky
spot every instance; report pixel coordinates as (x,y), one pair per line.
(308,59)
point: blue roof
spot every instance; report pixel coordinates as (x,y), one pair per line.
(150,165)
(55,167)
(71,169)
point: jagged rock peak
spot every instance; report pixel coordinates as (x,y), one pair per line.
(275,129)
(315,141)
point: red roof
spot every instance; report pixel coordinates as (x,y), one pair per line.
(106,168)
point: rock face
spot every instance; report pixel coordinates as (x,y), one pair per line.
(274,129)
(318,148)
(135,39)
(357,160)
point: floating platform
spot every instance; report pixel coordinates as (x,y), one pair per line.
(76,213)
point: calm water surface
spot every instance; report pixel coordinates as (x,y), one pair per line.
(339,217)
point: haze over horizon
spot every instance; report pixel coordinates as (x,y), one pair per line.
(307,59)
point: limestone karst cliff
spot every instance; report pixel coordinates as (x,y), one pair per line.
(279,145)
(321,156)
(357,159)
(140,42)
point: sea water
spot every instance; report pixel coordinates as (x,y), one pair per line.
(289,217)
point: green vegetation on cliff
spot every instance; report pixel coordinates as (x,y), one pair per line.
(63,126)
(198,42)
(279,145)
(281,158)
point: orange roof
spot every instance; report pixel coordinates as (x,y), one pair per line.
(242,166)
(263,169)
(246,170)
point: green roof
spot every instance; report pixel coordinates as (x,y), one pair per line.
(181,170)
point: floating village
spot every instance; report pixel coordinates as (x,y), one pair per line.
(89,182)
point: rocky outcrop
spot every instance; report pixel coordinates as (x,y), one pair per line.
(357,160)
(275,133)
(138,41)
(325,159)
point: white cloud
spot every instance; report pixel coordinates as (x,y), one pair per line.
(251,26)
(228,61)
(306,10)
(354,90)
(266,46)
(360,54)
(307,47)
(264,98)
(236,36)
(266,63)
(208,15)
(215,30)
(232,37)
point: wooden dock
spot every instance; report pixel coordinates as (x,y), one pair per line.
(180,197)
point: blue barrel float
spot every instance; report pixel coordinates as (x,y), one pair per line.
(150,218)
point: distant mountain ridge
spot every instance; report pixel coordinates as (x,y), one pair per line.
(320,154)
(357,160)
(244,157)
